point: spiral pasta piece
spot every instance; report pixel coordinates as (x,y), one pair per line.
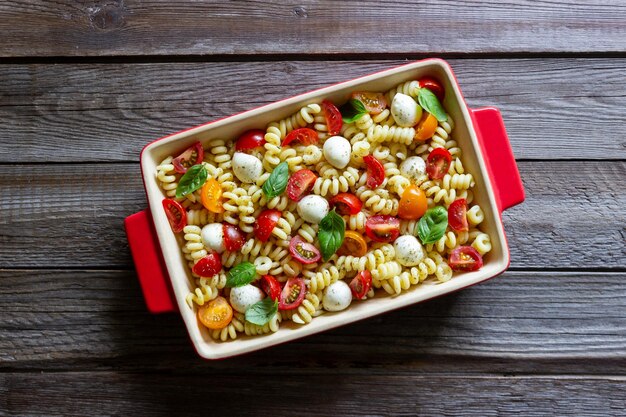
(194,242)
(204,293)
(475,215)
(482,243)
(356,221)
(410,88)
(377,201)
(308,309)
(327,274)
(383,133)
(231,331)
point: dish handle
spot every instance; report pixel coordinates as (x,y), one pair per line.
(496,149)
(153,278)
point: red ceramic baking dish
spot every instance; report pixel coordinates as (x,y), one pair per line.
(163,271)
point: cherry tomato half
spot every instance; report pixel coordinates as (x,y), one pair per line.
(413,203)
(374,102)
(176,214)
(265,224)
(211,196)
(304,136)
(346,204)
(233,237)
(250,139)
(292,294)
(465,258)
(457,215)
(426,127)
(271,287)
(193,155)
(433,85)
(208,266)
(438,163)
(382,228)
(303,252)
(333,117)
(300,183)
(216,314)
(375,171)
(361,284)
(353,244)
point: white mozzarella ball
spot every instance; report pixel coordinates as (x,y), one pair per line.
(313,208)
(242,298)
(248,168)
(337,151)
(337,296)
(405,111)
(413,168)
(409,252)
(213,237)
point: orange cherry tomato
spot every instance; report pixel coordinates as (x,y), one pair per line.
(413,203)
(216,315)
(211,196)
(353,244)
(426,127)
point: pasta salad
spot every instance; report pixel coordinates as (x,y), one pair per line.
(322,209)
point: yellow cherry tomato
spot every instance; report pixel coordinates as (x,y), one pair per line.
(211,196)
(216,315)
(426,127)
(413,203)
(353,244)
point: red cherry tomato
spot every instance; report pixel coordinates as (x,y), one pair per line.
(438,163)
(271,287)
(375,171)
(193,155)
(382,228)
(233,237)
(304,136)
(457,218)
(333,117)
(209,265)
(265,224)
(465,258)
(300,183)
(176,214)
(433,85)
(361,284)
(303,252)
(346,204)
(292,294)
(374,102)
(250,139)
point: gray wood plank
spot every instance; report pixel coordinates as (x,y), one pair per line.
(71,215)
(114,393)
(158,27)
(520,322)
(553,108)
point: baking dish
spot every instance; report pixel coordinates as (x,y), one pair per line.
(162,269)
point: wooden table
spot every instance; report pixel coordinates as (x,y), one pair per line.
(84,85)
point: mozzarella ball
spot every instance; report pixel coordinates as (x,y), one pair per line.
(413,168)
(337,296)
(405,111)
(409,252)
(337,151)
(248,168)
(213,237)
(313,208)
(242,298)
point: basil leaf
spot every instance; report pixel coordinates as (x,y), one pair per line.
(194,178)
(277,181)
(429,101)
(432,225)
(331,232)
(240,275)
(262,312)
(352,110)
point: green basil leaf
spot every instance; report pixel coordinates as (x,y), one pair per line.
(429,101)
(352,110)
(432,225)
(277,181)
(262,312)
(194,178)
(240,275)
(331,232)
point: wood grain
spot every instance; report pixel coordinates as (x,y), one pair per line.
(71,215)
(131,27)
(520,322)
(553,108)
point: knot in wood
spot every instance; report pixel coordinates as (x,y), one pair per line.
(300,12)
